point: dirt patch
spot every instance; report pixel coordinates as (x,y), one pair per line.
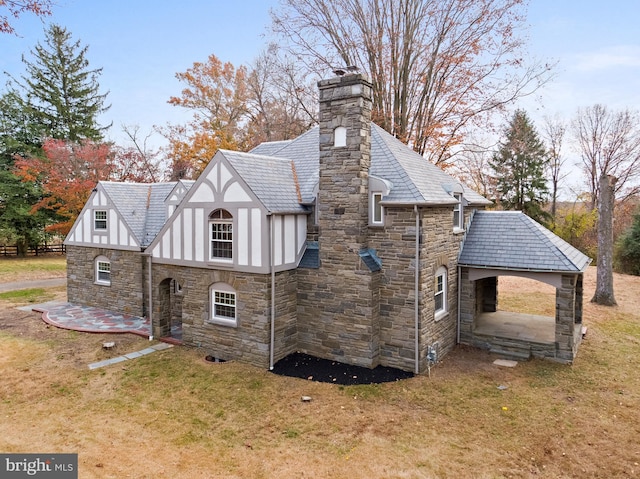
(70,348)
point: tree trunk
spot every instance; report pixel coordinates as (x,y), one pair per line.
(604,282)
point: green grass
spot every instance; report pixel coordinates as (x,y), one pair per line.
(35,295)
(10,267)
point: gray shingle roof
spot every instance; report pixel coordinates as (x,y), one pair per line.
(414,179)
(271,179)
(510,240)
(269,147)
(141,206)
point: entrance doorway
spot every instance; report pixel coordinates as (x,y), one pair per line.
(170,309)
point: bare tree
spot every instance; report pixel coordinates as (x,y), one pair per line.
(437,66)
(604,279)
(609,144)
(471,165)
(278,100)
(15,8)
(553,131)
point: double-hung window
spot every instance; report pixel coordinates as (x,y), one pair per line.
(221,235)
(223,305)
(103,270)
(440,292)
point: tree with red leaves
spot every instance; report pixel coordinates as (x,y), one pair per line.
(67,174)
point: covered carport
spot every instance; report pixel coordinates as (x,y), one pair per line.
(500,243)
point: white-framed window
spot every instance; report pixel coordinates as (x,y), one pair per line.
(100,220)
(440,292)
(103,270)
(340,136)
(221,235)
(223,305)
(377,210)
(458,212)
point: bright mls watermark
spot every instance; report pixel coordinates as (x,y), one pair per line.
(47,466)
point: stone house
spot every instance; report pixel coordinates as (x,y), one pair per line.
(342,243)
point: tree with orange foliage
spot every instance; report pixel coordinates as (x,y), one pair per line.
(216,93)
(66,174)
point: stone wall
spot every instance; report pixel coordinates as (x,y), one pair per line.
(568,327)
(337,307)
(249,341)
(568,318)
(440,247)
(126,294)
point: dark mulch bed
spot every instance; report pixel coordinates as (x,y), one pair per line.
(303,366)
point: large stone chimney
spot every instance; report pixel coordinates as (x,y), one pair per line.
(345,291)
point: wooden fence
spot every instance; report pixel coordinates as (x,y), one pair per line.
(37,251)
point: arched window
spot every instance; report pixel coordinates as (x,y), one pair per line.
(440,292)
(223,304)
(103,270)
(221,235)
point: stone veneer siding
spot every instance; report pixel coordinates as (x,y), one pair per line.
(249,341)
(126,294)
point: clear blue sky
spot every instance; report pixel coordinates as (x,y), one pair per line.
(141,44)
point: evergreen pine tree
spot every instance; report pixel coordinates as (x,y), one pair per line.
(60,91)
(519,167)
(628,250)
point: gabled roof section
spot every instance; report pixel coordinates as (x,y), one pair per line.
(141,206)
(272,180)
(510,240)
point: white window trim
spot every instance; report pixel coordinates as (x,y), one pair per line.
(105,220)
(101,260)
(372,208)
(441,272)
(223,320)
(458,213)
(228,221)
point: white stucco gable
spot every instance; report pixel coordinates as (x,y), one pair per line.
(187,237)
(101,223)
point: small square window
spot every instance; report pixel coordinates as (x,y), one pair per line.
(100,220)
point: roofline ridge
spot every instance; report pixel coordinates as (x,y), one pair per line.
(551,236)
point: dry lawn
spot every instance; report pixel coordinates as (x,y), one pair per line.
(171,414)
